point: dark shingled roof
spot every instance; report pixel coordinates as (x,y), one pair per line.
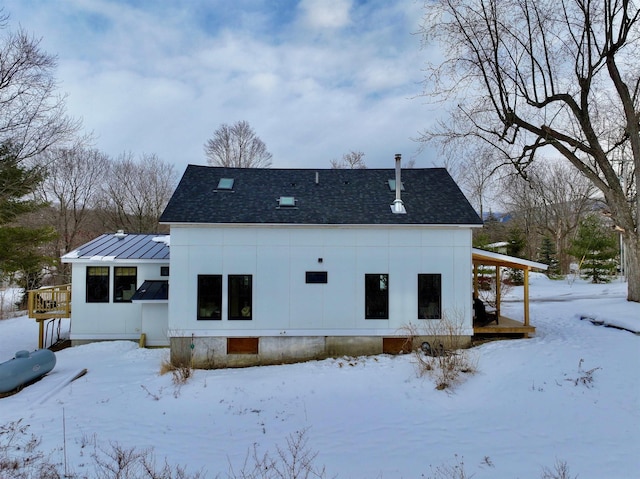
(341,196)
(129,246)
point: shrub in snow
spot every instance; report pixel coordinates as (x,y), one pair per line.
(295,461)
(443,353)
(20,458)
(450,471)
(19,454)
(179,374)
(585,377)
(560,471)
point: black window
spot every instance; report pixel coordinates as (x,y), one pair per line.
(240,296)
(376,296)
(97,284)
(316,277)
(209,296)
(429,296)
(125,283)
(164,271)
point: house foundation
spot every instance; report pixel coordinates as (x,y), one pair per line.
(226,352)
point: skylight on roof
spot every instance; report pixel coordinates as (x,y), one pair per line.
(225,184)
(286,201)
(392,185)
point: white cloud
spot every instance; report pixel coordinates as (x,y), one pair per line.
(266,83)
(162,79)
(321,14)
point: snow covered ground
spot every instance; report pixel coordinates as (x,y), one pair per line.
(367,417)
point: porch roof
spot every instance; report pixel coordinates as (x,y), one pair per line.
(489,258)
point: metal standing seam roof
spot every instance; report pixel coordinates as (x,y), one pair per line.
(320,196)
(129,246)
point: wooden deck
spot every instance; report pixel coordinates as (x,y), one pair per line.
(49,303)
(506,326)
(46,305)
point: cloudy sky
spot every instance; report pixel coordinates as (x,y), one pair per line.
(314,78)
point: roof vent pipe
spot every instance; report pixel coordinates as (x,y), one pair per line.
(398,207)
(317,178)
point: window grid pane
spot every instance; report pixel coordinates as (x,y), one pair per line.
(315,277)
(225,184)
(376,296)
(429,296)
(240,296)
(97,284)
(209,296)
(125,283)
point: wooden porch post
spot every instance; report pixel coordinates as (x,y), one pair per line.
(475,280)
(498,277)
(526,296)
(40,334)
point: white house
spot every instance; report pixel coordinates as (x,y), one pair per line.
(279,265)
(120,289)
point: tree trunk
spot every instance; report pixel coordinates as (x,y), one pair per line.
(632,254)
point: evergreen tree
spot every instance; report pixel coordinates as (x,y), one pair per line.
(516,242)
(20,255)
(596,248)
(492,231)
(547,256)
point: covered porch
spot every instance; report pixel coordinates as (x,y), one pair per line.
(504,326)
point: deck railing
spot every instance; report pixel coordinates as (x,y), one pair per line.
(46,304)
(50,303)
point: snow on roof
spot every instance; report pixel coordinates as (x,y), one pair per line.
(71,254)
(499,244)
(511,261)
(166,239)
(110,247)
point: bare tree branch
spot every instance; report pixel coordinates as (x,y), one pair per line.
(136,192)
(237,146)
(32,114)
(532,76)
(353,160)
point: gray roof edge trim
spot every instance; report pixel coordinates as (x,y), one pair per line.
(327,225)
(88,260)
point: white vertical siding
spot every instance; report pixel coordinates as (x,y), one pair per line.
(96,321)
(278,258)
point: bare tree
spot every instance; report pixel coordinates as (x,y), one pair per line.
(409,164)
(237,146)
(550,202)
(567,197)
(353,160)
(74,180)
(32,113)
(476,168)
(136,193)
(527,76)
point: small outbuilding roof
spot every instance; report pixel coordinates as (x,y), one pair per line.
(152,290)
(217,195)
(119,246)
